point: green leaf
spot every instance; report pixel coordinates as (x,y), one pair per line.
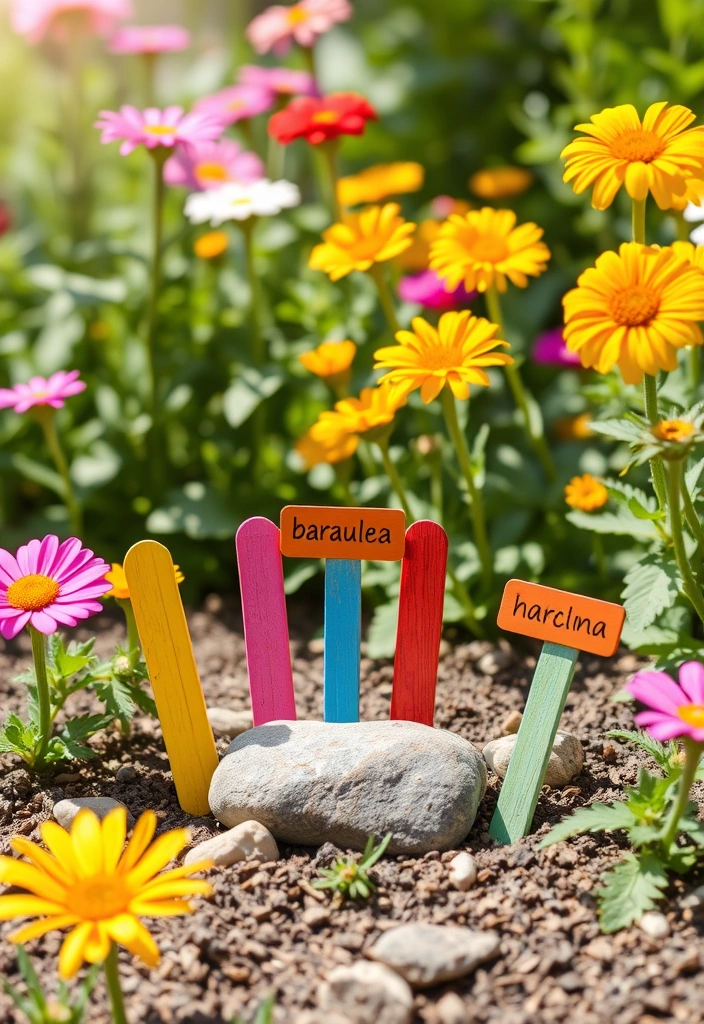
(248,391)
(661,753)
(595,818)
(38,473)
(647,800)
(641,512)
(68,661)
(197,510)
(620,430)
(621,523)
(118,697)
(381,638)
(87,725)
(650,587)
(629,890)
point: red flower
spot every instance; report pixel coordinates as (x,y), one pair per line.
(320,120)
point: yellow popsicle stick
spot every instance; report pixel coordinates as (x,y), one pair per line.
(168,652)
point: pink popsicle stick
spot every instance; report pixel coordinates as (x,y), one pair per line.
(265,621)
(419,623)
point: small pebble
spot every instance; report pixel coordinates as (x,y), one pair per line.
(511,723)
(654,924)
(314,917)
(365,992)
(463,871)
(494,662)
(248,841)
(451,1010)
(126,773)
(228,723)
(66,810)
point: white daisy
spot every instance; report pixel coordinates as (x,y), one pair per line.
(236,201)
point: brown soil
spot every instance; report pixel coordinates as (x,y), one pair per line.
(252,936)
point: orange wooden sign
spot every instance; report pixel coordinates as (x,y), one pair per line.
(312,531)
(561,618)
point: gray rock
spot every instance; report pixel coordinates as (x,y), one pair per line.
(126,773)
(66,810)
(228,723)
(463,871)
(566,758)
(427,954)
(317,782)
(367,992)
(248,841)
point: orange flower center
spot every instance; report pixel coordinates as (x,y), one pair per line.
(637,146)
(692,714)
(489,248)
(98,898)
(32,593)
(159,129)
(326,117)
(209,246)
(235,105)
(634,305)
(672,430)
(211,172)
(366,248)
(296,15)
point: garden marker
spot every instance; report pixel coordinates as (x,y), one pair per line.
(419,629)
(173,673)
(342,536)
(265,622)
(581,624)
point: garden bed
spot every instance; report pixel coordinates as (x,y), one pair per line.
(266,927)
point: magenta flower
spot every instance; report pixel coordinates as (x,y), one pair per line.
(36,19)
(278,27)
(430,291)
(550,349)
(48,584)
(150,39)
(236,103)
(39,391)
(154,127)
(674,710)
(211,165)
(282,81)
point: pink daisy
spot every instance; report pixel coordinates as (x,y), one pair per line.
(40,391)
(36,19)
(282,81)
(150,39)
(48,584)
(674,710)
(154,127)
(550,349)
(430,291)
(236,103)
(212,164)
(278,26)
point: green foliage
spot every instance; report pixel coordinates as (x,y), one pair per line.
(265,1013)
(349,878)
(632,887)
(64,1008)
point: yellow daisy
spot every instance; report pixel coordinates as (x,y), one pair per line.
(455,353)
(693,193)
(371,414)
(500,182)
(211,245)
(117,577)
(656,155)
(379,182)
(91,883)
(335,449)
(362,239)
(332,359)
(634,308)
(691,253)
(673,430)
(484,247)
(586,493)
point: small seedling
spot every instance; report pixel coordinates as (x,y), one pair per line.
(350,879)
(37,1008)
(265,1013)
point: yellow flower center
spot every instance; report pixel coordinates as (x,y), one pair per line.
(211,172)
(637,146)
(32,593)
(634,305)
(672,430)
(296,15)
(99,898)
(160,129)
(489,248)
(692,714)
(326,117)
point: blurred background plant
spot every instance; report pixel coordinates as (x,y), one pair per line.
(464,86)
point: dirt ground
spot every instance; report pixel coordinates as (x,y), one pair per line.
(254,935)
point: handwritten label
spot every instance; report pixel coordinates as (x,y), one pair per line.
(311,531)
(561,618)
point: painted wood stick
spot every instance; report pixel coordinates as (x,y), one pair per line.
(419,623)
(521,787)
(265,621)
(343,623)
(173,673)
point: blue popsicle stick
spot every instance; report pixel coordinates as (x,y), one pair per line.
(343,624)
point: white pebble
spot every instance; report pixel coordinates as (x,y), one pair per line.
(463,871)
(66,810)
(654,924)
(451,1010)
(248,841)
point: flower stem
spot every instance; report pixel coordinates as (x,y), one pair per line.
(48,425)
(258,347)
(387,302)
(158,158)
(329,153)
(657,469)
(393,475)
(43,695)
(690,514)
(689,583)
(526,404)
(477,505)
(638,220)
(134,647)
(693,752)
(112,977)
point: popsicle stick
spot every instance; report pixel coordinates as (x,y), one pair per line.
(265,621)
(343,624)
(521,787)
(419,623)
(168,652)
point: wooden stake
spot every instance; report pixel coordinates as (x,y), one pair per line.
(168,652)
(343,623)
